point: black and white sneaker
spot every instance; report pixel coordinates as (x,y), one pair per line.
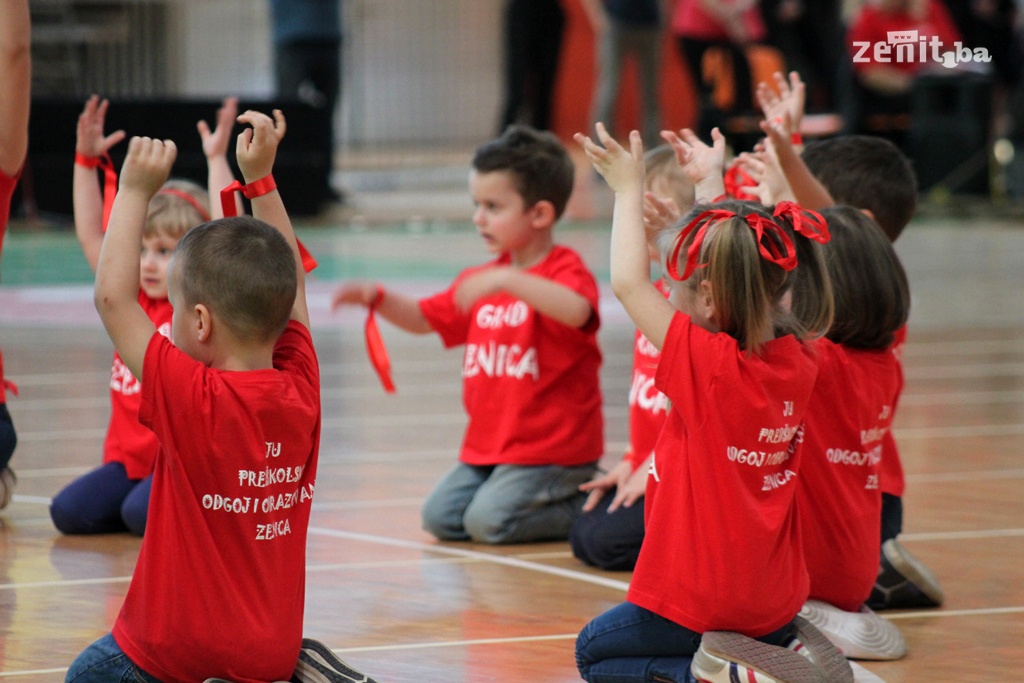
(318,664)
(903,581)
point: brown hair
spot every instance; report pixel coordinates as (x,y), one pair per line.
(747,290)
(866,172)
(179,206)
(871,290)
(540,167)
(243,270)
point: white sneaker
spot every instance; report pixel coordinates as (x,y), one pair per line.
(727,657)
(858,635)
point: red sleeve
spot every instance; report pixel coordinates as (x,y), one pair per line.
(445,318)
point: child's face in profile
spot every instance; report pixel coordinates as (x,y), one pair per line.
(501,217)
(153,259)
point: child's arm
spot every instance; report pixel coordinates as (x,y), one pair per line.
(255,152)
(549,298)
(399,310)
(116,295)
(215,147)
(809,193)
(702,164)
(630,263)
(87,199)
(15,85)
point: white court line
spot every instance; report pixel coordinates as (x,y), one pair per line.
(66,582)
(982,611)
(969,475)
(487,557)
(457,643)
(31,500)
(31,672)
(962,535)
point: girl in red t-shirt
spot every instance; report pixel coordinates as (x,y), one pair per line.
(115,496)
(852,408)
(722,550)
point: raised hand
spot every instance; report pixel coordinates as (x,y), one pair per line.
(787,97)
(147,165)
(256,147)
(215,142)
(90,140)
(622,169)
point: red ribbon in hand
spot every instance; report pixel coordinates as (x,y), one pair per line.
(375,344)
(258,188)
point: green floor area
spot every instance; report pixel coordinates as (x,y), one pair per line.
(391,252)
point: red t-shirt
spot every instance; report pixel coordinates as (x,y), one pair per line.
(7,185)
(872,26)
(838,491)
(691,20)
(893,481)
(220,581)
(529,383)
(127,441)
(722,549)
(647,406)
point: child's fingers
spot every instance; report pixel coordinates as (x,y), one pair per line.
(606,138)
(112,139)
(279,124)
(636,144)
(204,129)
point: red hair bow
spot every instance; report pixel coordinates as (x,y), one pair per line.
(810,224)
(761,226)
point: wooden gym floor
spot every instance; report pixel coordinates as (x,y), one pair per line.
(405,608)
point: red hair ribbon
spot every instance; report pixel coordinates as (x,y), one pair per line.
(758,223)
(185,196)
(375,344)
(109,180)
(258,188)
(736,178)
(810,224)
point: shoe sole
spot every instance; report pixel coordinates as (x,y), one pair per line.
(722,652)
(823,653)
(912,570)
(858,635)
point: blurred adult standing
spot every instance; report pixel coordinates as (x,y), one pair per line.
(533,44)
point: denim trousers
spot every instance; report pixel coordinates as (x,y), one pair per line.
(104,662)
(630,644)
(102,501)
(506,503)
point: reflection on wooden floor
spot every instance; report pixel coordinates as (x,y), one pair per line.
(405,608)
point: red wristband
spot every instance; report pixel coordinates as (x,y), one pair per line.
(796,138)
(87,162)
(378,296)
(258,188)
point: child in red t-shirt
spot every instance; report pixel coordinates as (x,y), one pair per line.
(234,399)
(115,496)
(610,529)
(851,411)
(721,574)
(15,87)
(528,321)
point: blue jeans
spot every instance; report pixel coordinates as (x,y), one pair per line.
(103,501)
(8,437)
(506,503)
(629,644)
(609,541)
(104,662)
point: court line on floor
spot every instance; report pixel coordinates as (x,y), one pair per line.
(457,643)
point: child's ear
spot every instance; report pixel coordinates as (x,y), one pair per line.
(705,300)
(542,214)
(203,322)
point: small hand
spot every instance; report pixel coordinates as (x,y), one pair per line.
(601,484)
(622,170)
(788,97)
(147,165)
(90,140)
(354,293)
(658,214)
(257,146)
(698,161)
(479,285)
(216,143)
(631,490)
(764,169)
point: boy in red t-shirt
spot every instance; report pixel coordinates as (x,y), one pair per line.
(528,321)
(609,531)
(115,496)
(234,399)
(15,87)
